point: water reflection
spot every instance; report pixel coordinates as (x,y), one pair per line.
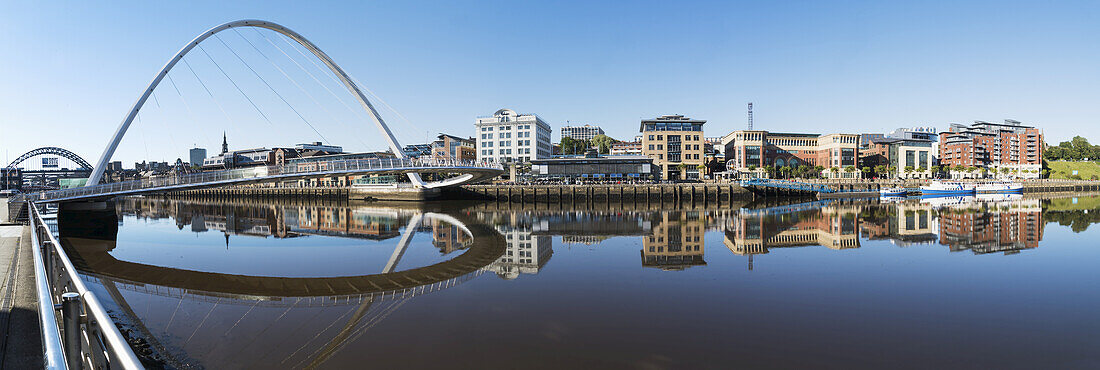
(277,284)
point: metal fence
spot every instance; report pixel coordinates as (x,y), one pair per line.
(313,168)
(77,332)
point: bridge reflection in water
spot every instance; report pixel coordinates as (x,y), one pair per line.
(273,321)
(215,313)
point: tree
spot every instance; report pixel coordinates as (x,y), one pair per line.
(603,143)
(802,170)
(567,145)
(908,170)
(880,170)
(866,171)
(936,171)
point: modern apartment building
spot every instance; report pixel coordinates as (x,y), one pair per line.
(994,146)
(586,132)
(454,147)
(507,136)
(745,149)
(675,143)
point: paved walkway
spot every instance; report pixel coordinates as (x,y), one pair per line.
(20,340)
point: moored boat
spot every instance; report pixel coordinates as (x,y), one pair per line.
(998,187)
(893,192)
(939,187)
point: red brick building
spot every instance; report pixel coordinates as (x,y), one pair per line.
(994,146)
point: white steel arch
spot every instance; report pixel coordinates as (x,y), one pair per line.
(101,165)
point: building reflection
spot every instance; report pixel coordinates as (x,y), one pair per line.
(1002,226)
(754,232)
(525,252)
(270,220)
(447,237)
(676,242)
(903,224)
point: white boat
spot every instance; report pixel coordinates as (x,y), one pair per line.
(940,188)
(893,192)
(998,187)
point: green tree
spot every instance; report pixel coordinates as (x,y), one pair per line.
(567,144)
(936,171)
(603,143)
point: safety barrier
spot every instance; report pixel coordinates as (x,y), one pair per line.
(87,336)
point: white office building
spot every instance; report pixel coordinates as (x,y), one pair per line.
(507,136)
(586,132)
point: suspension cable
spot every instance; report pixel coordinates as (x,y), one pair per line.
(235,84)
(311,97)
(328,73)
(227,119)
(272,89)
(358,84)
(187,105)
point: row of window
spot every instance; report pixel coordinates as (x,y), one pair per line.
(505,128)
(487,152)
(674,137)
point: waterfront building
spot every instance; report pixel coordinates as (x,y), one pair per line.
(998,147)
(197,156)
(317,146)
(417,150)
(238,158)
(454,147)
(594,167)
(586,132)
(11,178)
(675,144)
(865,139)
(507,136)
(747,151)
(910,158)
(626,148)
(115,166)
(922,133)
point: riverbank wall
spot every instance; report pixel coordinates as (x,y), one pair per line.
(685,192)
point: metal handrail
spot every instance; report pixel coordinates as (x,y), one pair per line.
(53,354)
(100,343)
(298,168)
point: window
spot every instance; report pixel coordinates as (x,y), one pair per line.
(660,137)
(650,137)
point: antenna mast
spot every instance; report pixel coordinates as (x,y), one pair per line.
(750,116)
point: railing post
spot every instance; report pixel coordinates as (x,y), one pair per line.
(70,314)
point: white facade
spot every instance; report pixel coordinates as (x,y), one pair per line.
(507,136)
(586,132)
(526,253)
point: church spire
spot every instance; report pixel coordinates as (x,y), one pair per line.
(225,144)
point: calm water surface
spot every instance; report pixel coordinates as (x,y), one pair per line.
(1005,282)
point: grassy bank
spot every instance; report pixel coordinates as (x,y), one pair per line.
(1064,170)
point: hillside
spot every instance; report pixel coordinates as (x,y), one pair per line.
(1064,170)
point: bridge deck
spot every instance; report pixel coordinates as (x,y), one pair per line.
(470,172)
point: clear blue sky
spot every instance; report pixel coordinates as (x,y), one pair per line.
(69,71)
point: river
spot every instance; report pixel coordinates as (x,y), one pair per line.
(1006,282)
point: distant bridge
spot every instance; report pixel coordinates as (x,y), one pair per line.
(47,177)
